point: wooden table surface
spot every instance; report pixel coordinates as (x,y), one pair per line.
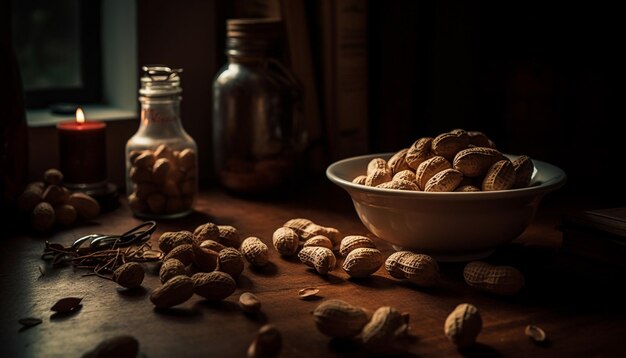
(582,317)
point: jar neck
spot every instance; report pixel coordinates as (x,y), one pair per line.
(160,116)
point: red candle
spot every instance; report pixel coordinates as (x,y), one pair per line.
(82,150)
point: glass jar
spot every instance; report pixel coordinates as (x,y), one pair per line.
(161,160)
(257,131)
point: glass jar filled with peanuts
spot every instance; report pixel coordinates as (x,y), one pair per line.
(161,160)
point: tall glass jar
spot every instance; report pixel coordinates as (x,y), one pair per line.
(257,132)
(161,160)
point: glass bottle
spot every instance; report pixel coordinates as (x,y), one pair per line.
(161,160)
(257,131)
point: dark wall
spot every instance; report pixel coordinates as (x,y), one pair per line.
(539,78)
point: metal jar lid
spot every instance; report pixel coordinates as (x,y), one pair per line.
(160,80)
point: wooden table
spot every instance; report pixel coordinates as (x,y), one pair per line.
(582,317)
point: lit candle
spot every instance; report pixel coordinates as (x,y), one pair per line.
(82,151)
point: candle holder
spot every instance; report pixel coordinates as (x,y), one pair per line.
(82,158)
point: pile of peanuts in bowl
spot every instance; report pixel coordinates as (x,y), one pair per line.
(455,161)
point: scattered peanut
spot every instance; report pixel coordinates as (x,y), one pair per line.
(229,236)
(267,343)
(307,229)
(319,240)
(214,286)
(308,293)
(285,241)
(175,291)
(129,275)
(320,258)
(231,262)
(362,262)
(421,270)
(204,259)
(352,242)
(337,318)
(500,280)
(255,251)
(171,268)
(208,231)
(43,216)
(169,240)
(382,334)
(463,325)
(183,253)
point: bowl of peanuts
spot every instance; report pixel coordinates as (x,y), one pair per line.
(453,196)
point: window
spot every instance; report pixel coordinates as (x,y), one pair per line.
(59,50)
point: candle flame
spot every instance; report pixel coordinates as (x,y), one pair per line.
(80,116)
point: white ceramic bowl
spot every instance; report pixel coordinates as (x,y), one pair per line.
(450,226)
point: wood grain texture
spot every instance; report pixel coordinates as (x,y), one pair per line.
(581,318)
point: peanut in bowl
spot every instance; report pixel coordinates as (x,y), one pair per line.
(451,226)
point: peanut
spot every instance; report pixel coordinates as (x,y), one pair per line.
(187,159)
(208,231)
(183,253)
(399,185)
(55,195)
(266,344)
(171,268)
(382,334)
(255,251)
(408,175)
(449,144)
(463,325)
(500,176)
(320,258)
(428,168)
(145,160)
(319,240)
(377,172)
(339,319)
(86,207)
(500,280)
(473,162)
(214,286)
(285,241)
(419,269)
(175,291)
(479,139)
(129,275)
(169,240)
(161,169)
(53,176)
(29,198)
(204,259)
(523,171)
(229,236)
(140,175)
(419,152)
(307,229)
(360,179)
(212,245)
(230,261)
(164,152)
(43,216)
(65,214)
(445,180)
(397,162)
(362,262)
(352,242)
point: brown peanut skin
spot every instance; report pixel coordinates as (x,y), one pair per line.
(463,325)
(499,280)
